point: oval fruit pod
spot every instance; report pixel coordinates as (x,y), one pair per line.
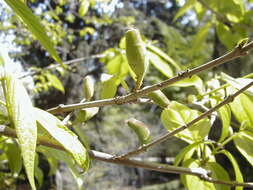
(88,87)
(159,98)
(136,55)
(140,129)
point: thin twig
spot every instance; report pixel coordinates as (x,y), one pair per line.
(70,62)
(235,53)
(165,168)
(167,135)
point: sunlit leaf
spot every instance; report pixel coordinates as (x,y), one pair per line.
(20,111)
(177,115)
(191,81)
(187,150)
(33,24)
(229,38)
(192,182)
(54,81)
(241,108)
(238,83)
(109,87)
(63,156)
(64,136)
(160,64)
(225,115)
(163,55)
(238,173)
(244,142)
(218,172)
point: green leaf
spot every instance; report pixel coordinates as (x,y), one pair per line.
(218,172)
(238,173)
(54,81)
(193,182)
(225,115)
(244,142)
(238,83)
(141,130)
(64,136)
(38,172)
(162,55)
(191,81)
(62,156)
(230,37)
(241,108)
(33,24)
(177,115)
(188,5)
(109,87)
(160,64)
(14,158)
(84,6)
(20,111)
(118,66)
(188,150)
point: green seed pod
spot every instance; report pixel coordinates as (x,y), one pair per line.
(85,114)
(88,87)
(140,129)
(159,98)
(136,55)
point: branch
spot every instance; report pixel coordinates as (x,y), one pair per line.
(165,168)
(235,53)
(70,62)
(167,135)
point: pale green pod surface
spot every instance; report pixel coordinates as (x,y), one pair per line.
(85,114)
(88,87)
(159,98)
(140,129)
(136,55)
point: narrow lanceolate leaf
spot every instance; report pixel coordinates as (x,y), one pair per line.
(20,111)
(160,64)
(140,129)
(64,136)
(33,24)
(163,56)
(136,55)
(238,173)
